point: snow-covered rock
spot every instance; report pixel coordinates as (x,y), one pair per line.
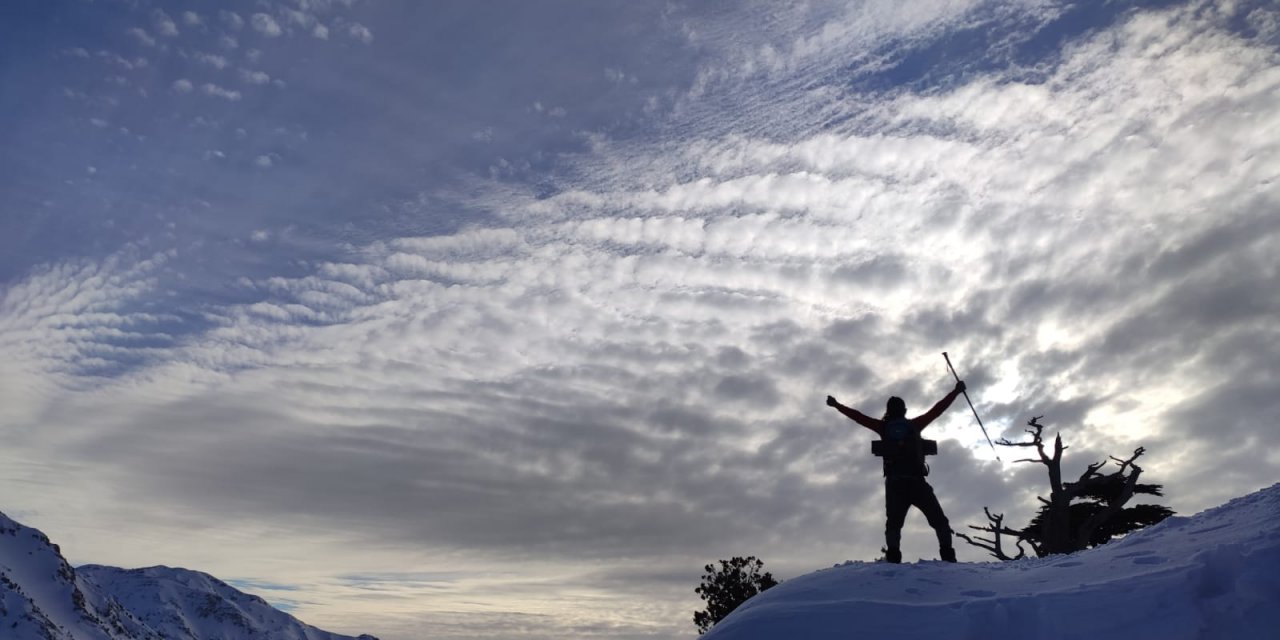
(1213,576)
(42,597)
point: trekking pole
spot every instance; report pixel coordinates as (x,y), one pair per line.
(975,411)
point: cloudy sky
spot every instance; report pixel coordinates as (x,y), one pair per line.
(501,319)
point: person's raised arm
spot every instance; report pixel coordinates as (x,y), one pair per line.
(923,421)
(856,416)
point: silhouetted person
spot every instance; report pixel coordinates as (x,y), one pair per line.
(903,452)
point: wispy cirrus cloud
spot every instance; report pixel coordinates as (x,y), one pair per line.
(211,89)
(142,36)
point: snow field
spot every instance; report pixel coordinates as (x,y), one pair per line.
(1213,576)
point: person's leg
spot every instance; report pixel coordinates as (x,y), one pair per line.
(897,500)
(927,502)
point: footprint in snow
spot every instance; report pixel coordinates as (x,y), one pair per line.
(1134,554)
(1214,528)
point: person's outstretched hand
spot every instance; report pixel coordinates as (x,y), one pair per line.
(831,402)
(959,386)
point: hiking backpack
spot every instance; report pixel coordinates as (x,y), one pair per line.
(903,450)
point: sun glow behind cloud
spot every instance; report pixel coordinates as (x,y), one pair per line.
(625,373)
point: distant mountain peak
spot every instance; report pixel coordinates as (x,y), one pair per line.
(42,597)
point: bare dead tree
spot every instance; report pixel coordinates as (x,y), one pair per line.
(1063,525)
(995,544)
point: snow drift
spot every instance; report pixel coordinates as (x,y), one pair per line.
(1213,576)
(42,597)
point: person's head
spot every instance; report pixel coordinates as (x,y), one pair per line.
(895,408)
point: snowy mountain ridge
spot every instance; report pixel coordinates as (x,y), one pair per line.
(1212,576)
(42,597)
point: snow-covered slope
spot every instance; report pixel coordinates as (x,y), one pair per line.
(44,598)
(1213,576)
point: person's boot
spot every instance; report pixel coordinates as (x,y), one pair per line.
(893,555)
(948,554)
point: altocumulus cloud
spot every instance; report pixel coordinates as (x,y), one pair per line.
(631,368)
(266,25)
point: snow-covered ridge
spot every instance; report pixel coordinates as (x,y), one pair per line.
(1213,576)
(42,597)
